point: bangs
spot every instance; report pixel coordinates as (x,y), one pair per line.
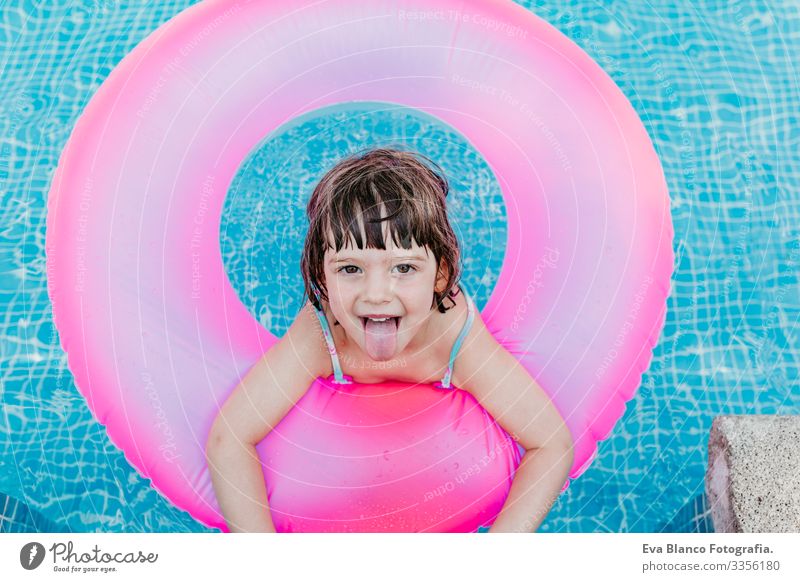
(364,218)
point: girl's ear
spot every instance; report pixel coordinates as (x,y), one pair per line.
(441,277)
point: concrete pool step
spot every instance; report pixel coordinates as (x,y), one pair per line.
(753,475)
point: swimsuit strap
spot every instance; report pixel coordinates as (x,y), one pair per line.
(339,377)
(445,382)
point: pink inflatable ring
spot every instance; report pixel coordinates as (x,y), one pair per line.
(157,338)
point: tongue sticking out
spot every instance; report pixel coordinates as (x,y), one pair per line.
(381,339)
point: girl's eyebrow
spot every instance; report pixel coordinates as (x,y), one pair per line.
(398,257)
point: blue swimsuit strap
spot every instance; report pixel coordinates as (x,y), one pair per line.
(445,382)
(340,378)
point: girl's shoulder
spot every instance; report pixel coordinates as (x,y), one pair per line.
(461,326)
(306,335)
(481,352)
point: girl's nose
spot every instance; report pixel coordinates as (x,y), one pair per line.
(378,289)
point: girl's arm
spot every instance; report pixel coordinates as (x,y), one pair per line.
(506,390)
(269,390)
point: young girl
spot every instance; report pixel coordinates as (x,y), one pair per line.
(381,270)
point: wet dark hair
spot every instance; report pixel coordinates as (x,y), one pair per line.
(410,190)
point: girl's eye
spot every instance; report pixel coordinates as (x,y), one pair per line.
(404,269)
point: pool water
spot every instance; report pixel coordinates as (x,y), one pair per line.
(715,86)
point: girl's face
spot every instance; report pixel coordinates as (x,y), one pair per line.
(382,298)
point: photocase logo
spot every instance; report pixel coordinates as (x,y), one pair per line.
(31,555)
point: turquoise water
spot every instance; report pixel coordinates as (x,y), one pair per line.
(715,87)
